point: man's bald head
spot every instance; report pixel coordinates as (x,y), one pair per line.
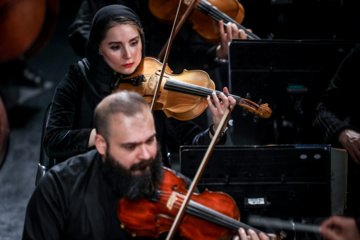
(127,103)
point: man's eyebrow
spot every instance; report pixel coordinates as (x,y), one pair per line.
(137,143)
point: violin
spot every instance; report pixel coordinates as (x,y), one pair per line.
(181,96)
(209,215)
(205,16)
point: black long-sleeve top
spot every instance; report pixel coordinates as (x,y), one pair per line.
(75,201)
(70,118)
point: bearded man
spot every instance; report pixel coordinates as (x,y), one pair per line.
(78,198)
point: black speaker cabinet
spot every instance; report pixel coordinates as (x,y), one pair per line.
(287,181)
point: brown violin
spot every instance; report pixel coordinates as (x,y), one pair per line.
(209,215)
(205,16)
(181,96)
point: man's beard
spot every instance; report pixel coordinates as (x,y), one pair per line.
(134,187)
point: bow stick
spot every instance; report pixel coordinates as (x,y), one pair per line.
(199,172)
(174,31)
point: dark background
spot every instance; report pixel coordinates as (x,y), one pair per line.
(25,104)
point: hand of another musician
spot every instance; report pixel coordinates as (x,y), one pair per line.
(219,105)
(340,228)
(250,235)
(232,32)
(350,140)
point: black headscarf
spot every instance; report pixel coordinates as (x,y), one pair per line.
(101,18)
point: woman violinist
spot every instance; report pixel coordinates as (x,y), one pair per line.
(114,51)
(189,50)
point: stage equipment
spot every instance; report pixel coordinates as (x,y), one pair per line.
(289,75)
(285,181)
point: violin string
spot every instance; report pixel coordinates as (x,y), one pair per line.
(192,89)
(216,14)
(210,215)
(187,88)
(213,12)
(249,104)
(184,87)
(206,213)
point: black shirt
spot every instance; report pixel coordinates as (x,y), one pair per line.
(73,201)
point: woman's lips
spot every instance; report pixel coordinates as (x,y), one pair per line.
(128,65)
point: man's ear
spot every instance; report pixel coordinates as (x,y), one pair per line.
(100,144)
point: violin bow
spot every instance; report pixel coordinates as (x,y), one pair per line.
(199,172)
(208,9)
(223,121)
(178,26)
(212,144)
(197,177)
(173,33)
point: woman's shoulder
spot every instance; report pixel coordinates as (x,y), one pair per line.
(76,74)
(80,67)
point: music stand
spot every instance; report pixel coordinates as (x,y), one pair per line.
(287,181)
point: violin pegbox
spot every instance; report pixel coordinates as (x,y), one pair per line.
(262,110)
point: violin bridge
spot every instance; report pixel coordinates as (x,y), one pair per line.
(171,201)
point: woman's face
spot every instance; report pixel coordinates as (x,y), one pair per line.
(122,48)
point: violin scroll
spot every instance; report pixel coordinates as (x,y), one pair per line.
(262,110)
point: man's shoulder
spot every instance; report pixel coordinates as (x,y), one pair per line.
(75,167)
(80,161)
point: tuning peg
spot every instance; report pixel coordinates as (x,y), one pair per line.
(244,112)
(256,118)
(259,103)
(248,96)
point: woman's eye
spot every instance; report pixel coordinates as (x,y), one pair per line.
(134,43)
(115,48)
